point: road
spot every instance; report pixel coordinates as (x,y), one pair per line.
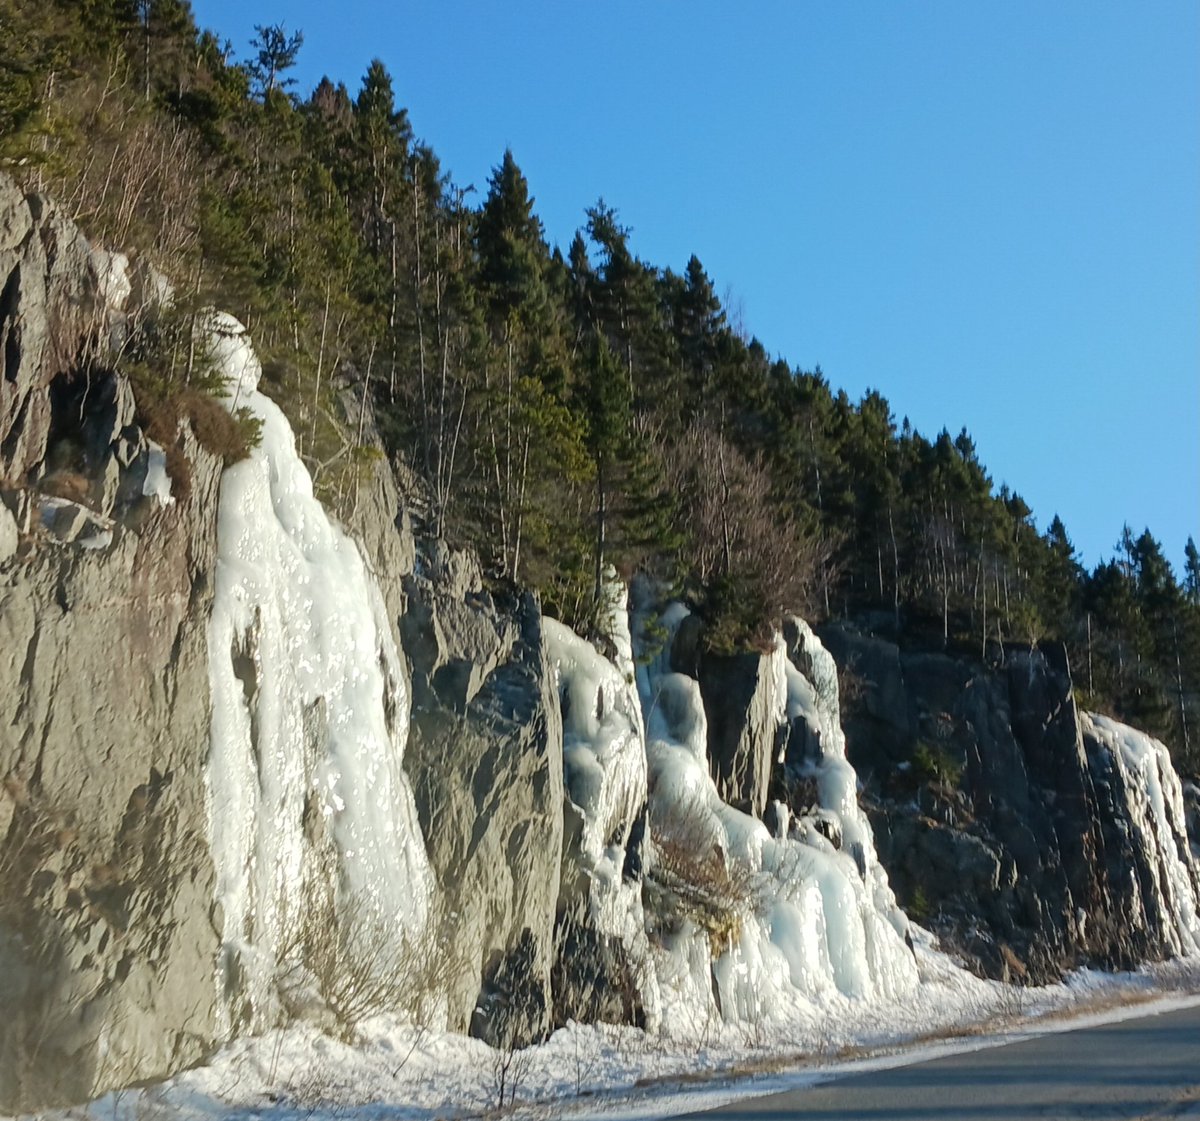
(1140,1069)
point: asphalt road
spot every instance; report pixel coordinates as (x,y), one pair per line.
(1140,1069)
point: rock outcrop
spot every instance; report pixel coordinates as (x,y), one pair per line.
(741,706)
(485,758)
(1003,825)
(107,936)
(142,904)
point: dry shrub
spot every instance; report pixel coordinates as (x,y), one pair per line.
(66,484)
(227,436)
(216,429)
(695,881)
(129,175)
(361,967)
(1015,970)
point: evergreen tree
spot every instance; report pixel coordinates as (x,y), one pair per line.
(607,405)
(698,323)
(512,250)
(1061,580)
(1191,572)
(275,53)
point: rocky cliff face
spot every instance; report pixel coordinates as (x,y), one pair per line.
(1005,821)
(241,749)
(485,755)
(115,936)
(106,886)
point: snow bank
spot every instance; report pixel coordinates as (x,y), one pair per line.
(308,801)
(1156,810)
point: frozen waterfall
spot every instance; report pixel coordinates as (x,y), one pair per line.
(749,925)
(312,818)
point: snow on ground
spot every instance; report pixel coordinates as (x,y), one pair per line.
(400,1072)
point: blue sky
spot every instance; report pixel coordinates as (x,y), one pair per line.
(989,212)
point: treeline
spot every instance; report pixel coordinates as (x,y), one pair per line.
(566,410)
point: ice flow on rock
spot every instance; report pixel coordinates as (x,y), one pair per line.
(311,814)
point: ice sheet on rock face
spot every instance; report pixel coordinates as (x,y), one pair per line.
(818,703)
(604,756)
(816,922)
(233,358)
(1157,812)
(310,710)
(603,741)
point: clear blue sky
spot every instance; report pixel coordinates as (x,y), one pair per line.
(989,212)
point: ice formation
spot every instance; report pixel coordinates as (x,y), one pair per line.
(157,484)
(113,286)
(604,764)
(308,799)
(1155,804)
(797,918)
(310,807)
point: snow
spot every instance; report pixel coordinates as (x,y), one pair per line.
(308,800)
(407,1073)
(157,483)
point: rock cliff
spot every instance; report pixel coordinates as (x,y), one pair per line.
(243,749)
(106,885)
(485,755)
(1007,823)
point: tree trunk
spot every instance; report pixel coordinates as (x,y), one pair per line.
(601,527)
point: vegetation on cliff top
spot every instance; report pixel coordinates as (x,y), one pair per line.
(566,409)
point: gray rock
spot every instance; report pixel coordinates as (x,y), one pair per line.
(485,759)
(744,736)
(873,680)
(1021,802)
(378,520)
(108,484)
(597,978)
(47,313)
(15,220)
(107,945)
(105,938)
(64,519)
(1191,810)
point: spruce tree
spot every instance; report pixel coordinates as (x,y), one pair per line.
(275,53)
(1191,572)
(512,250)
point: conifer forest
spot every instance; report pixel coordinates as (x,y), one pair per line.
(559,409)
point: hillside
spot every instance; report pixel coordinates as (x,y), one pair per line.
(454,629)
(567,409)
